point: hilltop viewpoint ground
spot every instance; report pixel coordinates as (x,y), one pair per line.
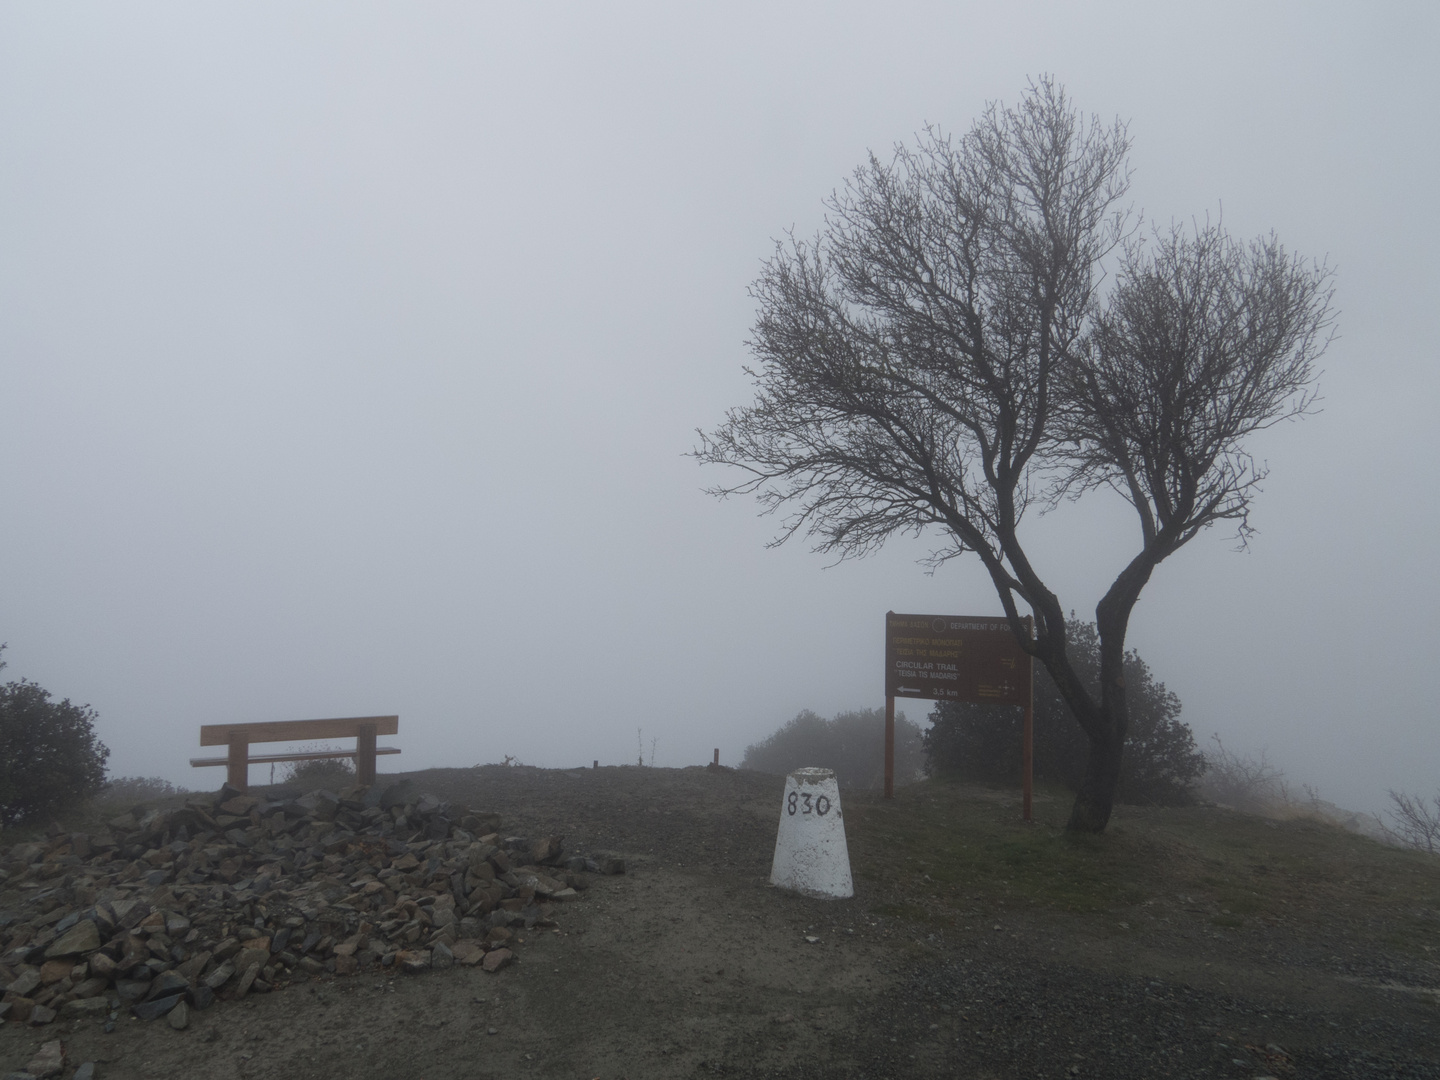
(1182,943)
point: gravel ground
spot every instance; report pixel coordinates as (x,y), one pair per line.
(691,965)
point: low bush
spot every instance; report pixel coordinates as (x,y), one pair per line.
(49,755)
(1246,782)
(852,743)
(321,772)
(1416,823)
(983,742)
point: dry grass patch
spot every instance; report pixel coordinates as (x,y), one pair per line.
(943,853)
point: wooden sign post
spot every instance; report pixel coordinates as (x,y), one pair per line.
(958,658)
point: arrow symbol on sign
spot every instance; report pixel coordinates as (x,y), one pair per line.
(907,689)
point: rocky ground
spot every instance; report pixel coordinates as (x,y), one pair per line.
(159,911)
(688,964)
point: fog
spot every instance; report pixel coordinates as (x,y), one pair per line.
(349,354)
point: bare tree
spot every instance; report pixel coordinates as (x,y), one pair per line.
(1417,823)
(940,358)
(1244,781)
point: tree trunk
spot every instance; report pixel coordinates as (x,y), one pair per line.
(1096,797)
(1111,721)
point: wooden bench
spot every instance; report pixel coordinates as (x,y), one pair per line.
(238,737)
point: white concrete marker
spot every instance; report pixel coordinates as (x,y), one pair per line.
(810,852)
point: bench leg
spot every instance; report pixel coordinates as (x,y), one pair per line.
(365,755)
(237,763)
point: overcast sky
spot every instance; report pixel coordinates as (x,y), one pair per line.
(349,352)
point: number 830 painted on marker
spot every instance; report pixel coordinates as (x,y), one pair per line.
(805,803)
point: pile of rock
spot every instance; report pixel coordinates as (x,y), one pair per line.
(164,911)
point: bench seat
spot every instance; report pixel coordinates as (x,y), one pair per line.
(266,759)
(240,737)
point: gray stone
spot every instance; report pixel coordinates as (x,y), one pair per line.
(442,916)
(441,956)
(255,952)
(91,987)
(168,984)
(131,990)
(578,882)
(413,961)
(497,959)
(220,976)
(93,1007)
(248,975)
(48,1060)
(85,1072)
(547,850)
(23,984)
(397,794)
(156,1007)
(192,967)
(437,828)
(41,1015)
(179,1016)
(481,824)
(202,997)
(321,805)
(469,952)
(130,912)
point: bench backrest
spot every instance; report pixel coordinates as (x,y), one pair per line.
(345,727)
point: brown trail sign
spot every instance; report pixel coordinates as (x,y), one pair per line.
(972,658)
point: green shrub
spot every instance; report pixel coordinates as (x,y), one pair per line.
(982,742)
(853,744)
(321,772)
(49,756)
